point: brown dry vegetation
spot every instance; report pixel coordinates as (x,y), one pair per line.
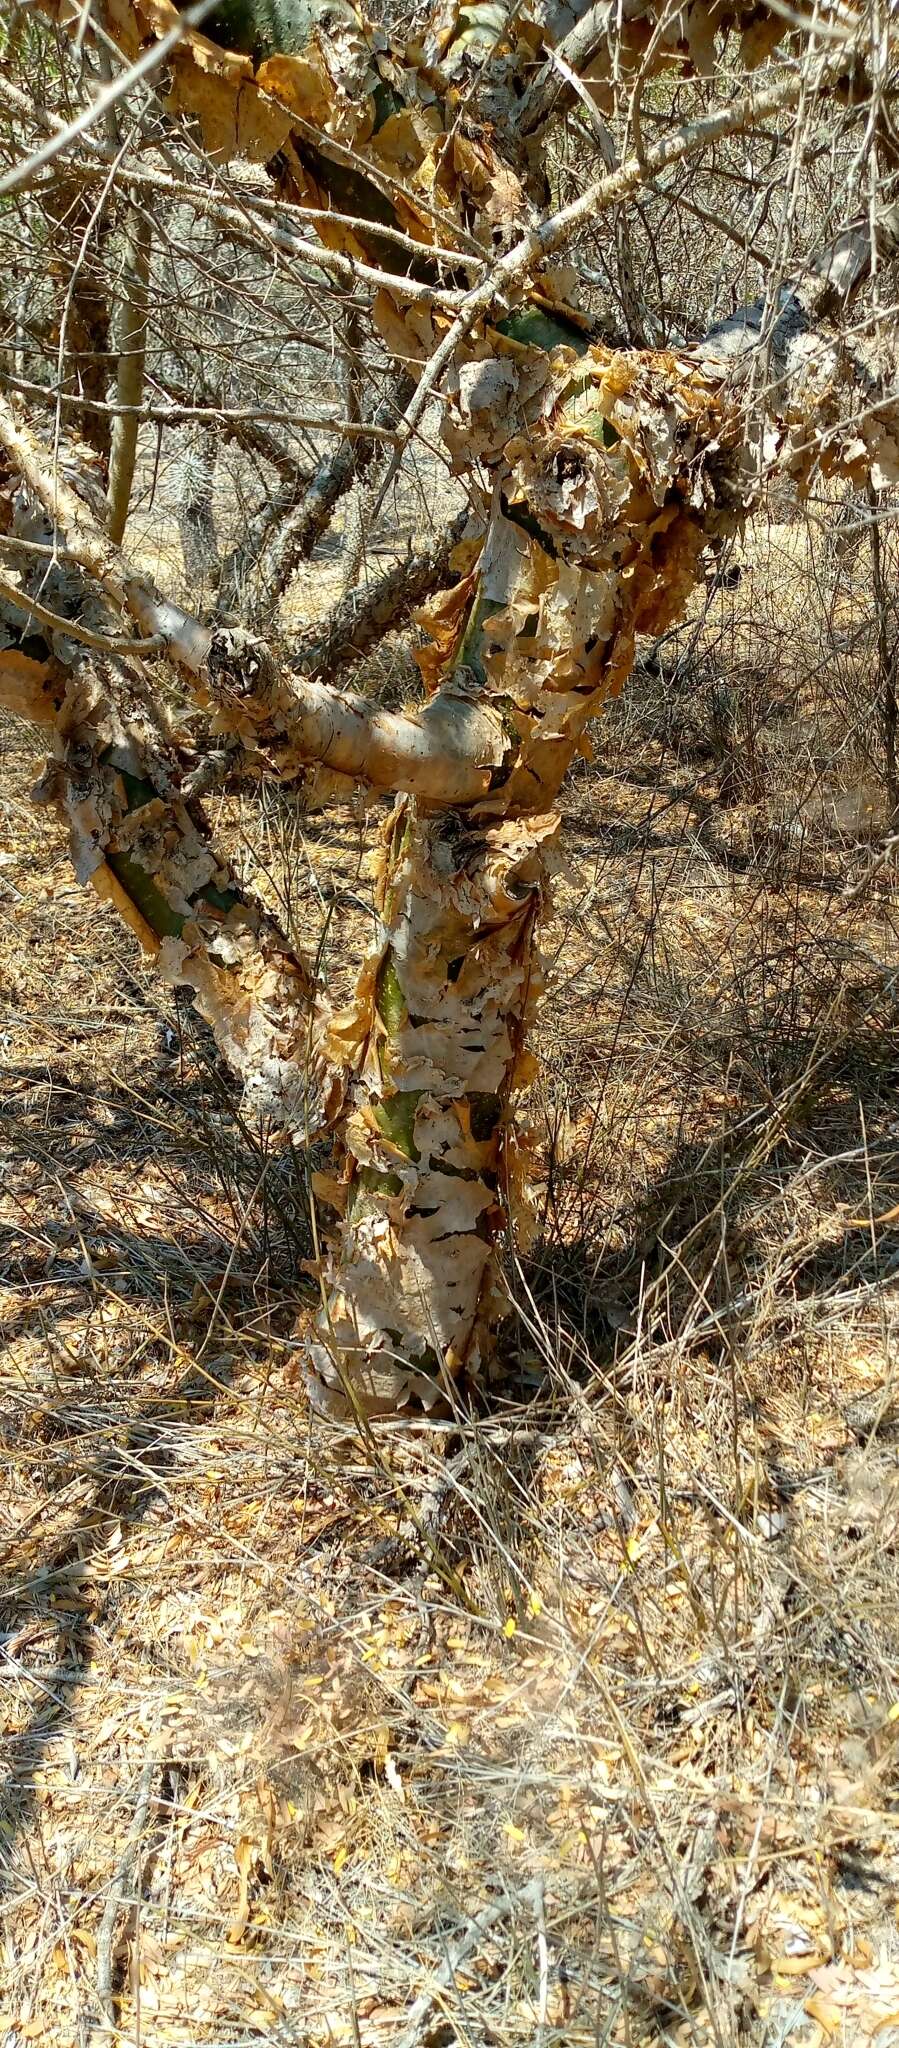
(573,1718)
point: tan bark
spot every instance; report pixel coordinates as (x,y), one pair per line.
(432,1166)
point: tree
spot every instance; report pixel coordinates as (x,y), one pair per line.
(599,468)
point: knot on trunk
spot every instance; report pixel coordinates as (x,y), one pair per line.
(239,664)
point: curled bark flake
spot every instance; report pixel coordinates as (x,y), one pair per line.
(30,689)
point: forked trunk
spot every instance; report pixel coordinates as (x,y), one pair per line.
(435,1176)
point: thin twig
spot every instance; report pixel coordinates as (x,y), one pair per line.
(875,867)
(112,643)
(149,61)
(457,1954)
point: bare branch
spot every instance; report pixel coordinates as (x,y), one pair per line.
(362,618)
(175,415)
(445,753)
(297,535)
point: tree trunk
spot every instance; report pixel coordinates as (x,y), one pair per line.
(130,334)
(433,1174)
(81,234)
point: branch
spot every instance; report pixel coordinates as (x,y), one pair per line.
(243,420)
(147,853)
(236,423)
(550,92)
(346,271)
(809,365)
(362,618)
(23,174)
(459,1951)
(504,282)
(105,643)
(446,753)
(304,525)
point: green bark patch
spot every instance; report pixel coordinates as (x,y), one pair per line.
(154,907)
(218,899)
(138,790)
(469,653)
(390,1001)
(532,327)
(395,1117)
(269,28)
(599,429)
(593,421)
(370,1182)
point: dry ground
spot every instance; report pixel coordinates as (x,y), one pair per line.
(571,1721)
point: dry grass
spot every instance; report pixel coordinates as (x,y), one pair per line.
(574,1720)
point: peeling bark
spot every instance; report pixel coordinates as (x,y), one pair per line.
(432,1164)
(444,753)
(641,463)
(142,849)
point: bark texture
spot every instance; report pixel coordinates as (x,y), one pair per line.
(81,231)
